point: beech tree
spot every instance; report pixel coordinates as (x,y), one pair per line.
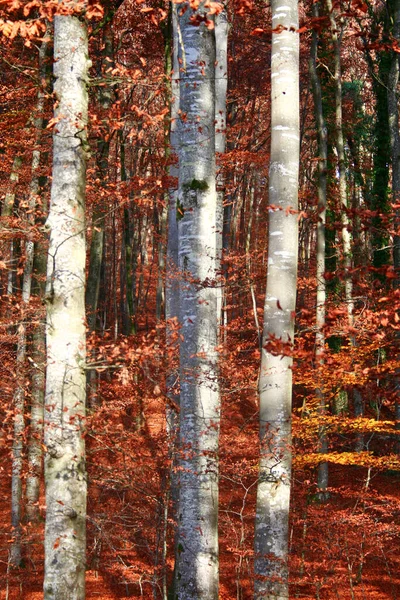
(199,259)
(157,127)
(65,472)
(275,379)
(322,135)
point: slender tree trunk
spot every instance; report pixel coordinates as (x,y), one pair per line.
(106,96)
(275,382)
(96,246)
(19,395)
(172,280)
(6,212)
(221,86)
(39,334)
(395,148)
(36,425)
(339,143)
(65,471)
(346,235)
(322,135)
(199,261)
(393,111)
(38,366)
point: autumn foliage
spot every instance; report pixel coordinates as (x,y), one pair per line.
(341,546)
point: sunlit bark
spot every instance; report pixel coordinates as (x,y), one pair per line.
(65,472)
(199,261)
(275,382)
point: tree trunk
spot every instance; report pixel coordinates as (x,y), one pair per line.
(65,472)
(19,395)
(339,143)
(322,135)
(199,263)
(221,86)
(7,212)
(275,382)
(106,96)
(395,148)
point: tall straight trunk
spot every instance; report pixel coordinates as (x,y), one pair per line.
(65,471)
(6,212)
(275,382)
(339,144)
(172,276)
(322,135)
(336,34)
(393,110)
(106,96)
(199,263)
(38,355)
(19,395)
(221,87)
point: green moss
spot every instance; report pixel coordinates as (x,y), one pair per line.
(196,184)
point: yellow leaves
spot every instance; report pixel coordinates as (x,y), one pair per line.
(361,459)
(9,28)
(306,428)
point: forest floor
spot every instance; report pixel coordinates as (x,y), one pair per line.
(347,548)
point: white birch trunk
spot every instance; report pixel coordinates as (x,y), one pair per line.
(65,473)
(199,261)
(275,384)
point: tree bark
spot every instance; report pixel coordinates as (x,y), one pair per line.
(322,135)
(199,263)
(339,143)
(393,111)
(65,472)
(19,395)
(275,382)
(7,212)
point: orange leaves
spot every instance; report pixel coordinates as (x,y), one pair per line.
(277,347)
(54,121)
(10,29)
(360,459)
(94,11)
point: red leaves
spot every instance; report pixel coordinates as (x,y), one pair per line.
(277,347)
